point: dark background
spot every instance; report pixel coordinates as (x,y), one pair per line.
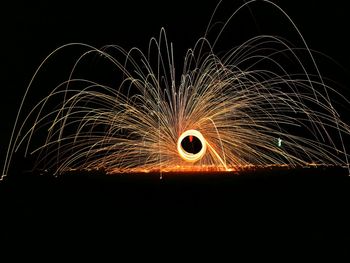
(308,211)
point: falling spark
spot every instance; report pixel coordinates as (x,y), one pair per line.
(279,142)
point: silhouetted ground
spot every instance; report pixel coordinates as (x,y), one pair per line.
(307,208)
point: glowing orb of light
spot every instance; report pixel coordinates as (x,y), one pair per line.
(191,145)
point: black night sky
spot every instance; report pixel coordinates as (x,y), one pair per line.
(308,209)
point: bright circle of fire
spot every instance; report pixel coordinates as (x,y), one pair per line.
(187,156)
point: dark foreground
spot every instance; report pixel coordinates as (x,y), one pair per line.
(308,209)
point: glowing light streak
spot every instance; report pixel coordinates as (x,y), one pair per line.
(190,157)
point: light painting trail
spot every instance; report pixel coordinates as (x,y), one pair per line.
(218,113)
(191,155)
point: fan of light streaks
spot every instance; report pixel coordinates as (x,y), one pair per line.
(247,107)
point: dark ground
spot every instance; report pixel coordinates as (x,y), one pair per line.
(295,212)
